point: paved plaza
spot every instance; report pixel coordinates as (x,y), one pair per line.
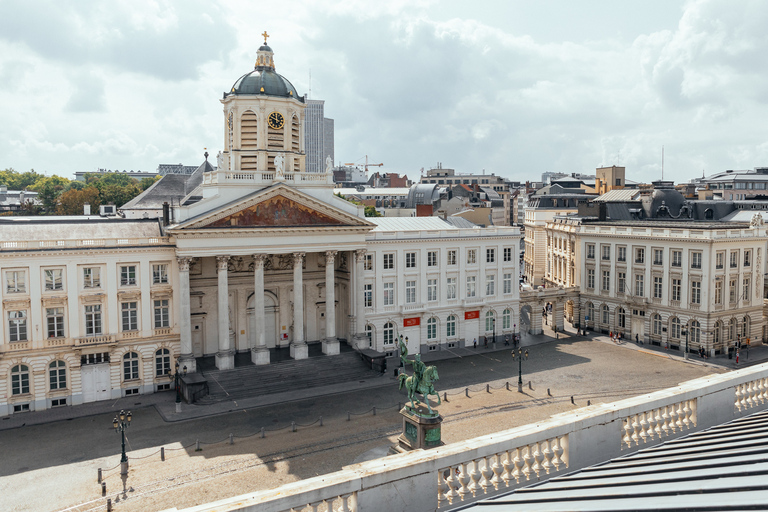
(52,465)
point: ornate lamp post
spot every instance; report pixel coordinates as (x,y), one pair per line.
(175,377)
(121,422)
(684,332)
(520,356)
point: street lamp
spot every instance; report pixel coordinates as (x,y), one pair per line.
(684,332)
(520,367)
(514,334)
(493,322)
(175,377)
(121,422)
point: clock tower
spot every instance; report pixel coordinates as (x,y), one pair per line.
(263,122)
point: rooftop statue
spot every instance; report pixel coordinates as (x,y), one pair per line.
(422,381)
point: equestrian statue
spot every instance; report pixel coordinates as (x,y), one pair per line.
(422,381)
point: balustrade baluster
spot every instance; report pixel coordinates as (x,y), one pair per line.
(557,460)
(442,488)
(464,478)
(636,430)
(497,469)
(487,473)
(673,418)
(453,484)
(475,475)
(680,416)
(737,397)
(539,457)
(652,423)
(665,421)
(687,415)
(529,460)
(749,395)
(643,427)
(519,464)
(627,438)
(547,452)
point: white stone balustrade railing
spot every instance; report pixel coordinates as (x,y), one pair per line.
(462,472)
(657,423)
(95,340)
(267,177)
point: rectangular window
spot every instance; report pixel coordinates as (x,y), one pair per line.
(621,282)
(591,251)
(658,256)
(160,274)
(53,279)
(695,259)
(368,295)
(732,291)
(657,286)
(162,317)
(471,256)
(677,258)
(410,260)
(507,254)
(368,262)
(451,257)
(432,259)
(15,281)
(389,294)
(734,259)
(718,292)
(590,278)
(719,260)
(490,255)
(54,318)
(130,316)
(450,288)
(93,320)
(695,292)
(639,285)
(507,283)
(17,324)
(128,275)
(606,280)
(747,258)
(490,285)
(640,255)
(431,290)
(622,253)
(92,277)
(745,289)
(410,292)
(389,261)
(606,252)
(471,283)
(676,289)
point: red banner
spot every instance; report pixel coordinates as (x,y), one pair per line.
(410,322)
(469,315)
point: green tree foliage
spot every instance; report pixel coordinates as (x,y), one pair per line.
(370,211)
(48,191)
(145,183)
(71,202)
(15,180)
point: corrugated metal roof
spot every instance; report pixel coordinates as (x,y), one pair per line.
(723,468)
(618,196)
(409,224)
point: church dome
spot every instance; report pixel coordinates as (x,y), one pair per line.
(263,79)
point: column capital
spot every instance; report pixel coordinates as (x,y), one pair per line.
(221,262)
(184,263)
(260,259)
(298,259)
(360,255)
(330,256)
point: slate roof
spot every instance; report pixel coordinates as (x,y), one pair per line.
(71,227)
(171,188)
(722,468)
(410,224)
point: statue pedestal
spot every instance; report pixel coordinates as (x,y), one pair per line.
(420,430)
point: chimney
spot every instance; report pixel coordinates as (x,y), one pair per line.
(86,208)
(166,213)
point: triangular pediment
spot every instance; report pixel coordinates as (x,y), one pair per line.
(276,207)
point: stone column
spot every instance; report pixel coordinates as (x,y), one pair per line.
(187,357)
(298,345)
(259,350)
(558,314)
(330,343)
(225,357)
(360,339)
(536,318)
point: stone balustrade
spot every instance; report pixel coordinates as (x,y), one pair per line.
(459,473)
(95,340)
(224,177)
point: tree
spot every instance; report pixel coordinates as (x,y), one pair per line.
(48,190)
(15,180)
(147,182)
(71,202)
(370,211)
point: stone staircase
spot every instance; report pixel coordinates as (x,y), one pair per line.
(251,380)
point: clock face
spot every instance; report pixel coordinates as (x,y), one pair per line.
(276,120)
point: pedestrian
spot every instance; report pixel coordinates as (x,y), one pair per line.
(637,338)
(506,340)
(485,340)
(474,343)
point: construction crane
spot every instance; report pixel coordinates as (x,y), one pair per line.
(367,165)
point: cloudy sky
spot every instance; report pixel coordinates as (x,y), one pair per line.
(511,87)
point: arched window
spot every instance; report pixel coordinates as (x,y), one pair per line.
(731,334)
(432,328)
(130,366)
(17,325)
(606,314)
(675,328)
(249,129)
(162,362)
(745,325)
(506,319)
(450,326)
(718,332)
(694,332)
(389,333)
(20,379)
(590,312)
(369,334)
(621,318)
(57,373)
(656,324)
(490,320)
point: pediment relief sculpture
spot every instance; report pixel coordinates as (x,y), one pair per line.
(277,211)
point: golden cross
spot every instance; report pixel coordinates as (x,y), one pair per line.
(265,36)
